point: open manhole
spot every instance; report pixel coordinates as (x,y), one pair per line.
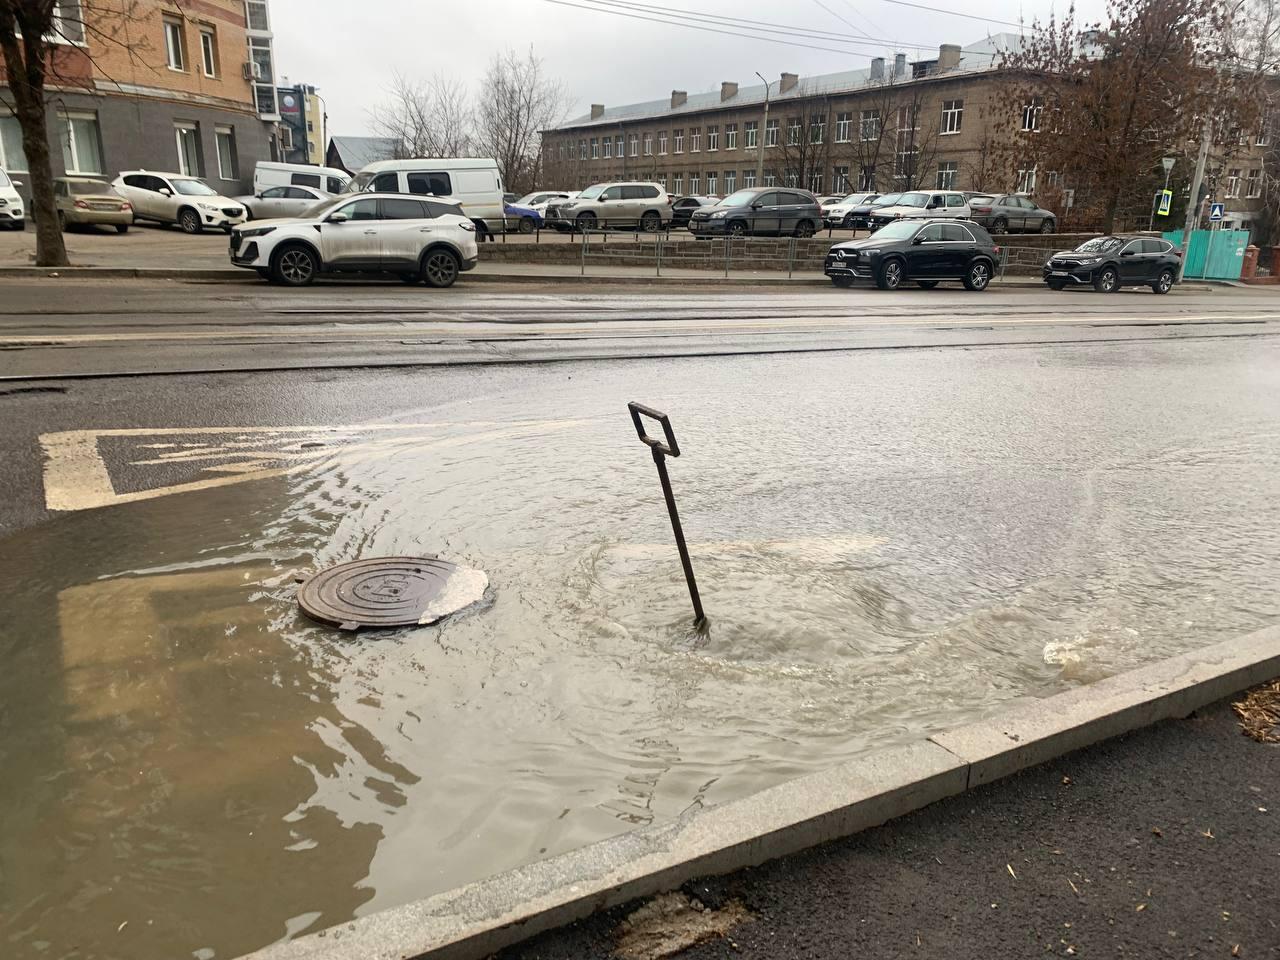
(390,592)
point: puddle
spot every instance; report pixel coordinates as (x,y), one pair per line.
(192,769)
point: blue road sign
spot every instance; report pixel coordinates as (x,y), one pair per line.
(1216,210)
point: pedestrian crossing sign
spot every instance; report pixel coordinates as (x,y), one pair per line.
(1166,202)
(1216,211)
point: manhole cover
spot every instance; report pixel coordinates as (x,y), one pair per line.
(390,592)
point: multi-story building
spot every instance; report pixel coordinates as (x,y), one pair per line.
(302,123)
(183,86)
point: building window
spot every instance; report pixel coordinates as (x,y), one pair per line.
(771,134)
(792,177)
(582,149)
(174,54)
(187,137)
(617,146)
(695,139)
(752,129)
(633,144)
(770,178)
(311,127)
(817,129)
(713,138)
(711,183)
(81,145)
(952,115)
(793,131)
(1253,185)
(677,137)
(1233,182)
(947,172)
(12,157)
(209,53)
(68,22)
(662,144)
(730,181)
(1264,135)
(870,123)
(1027,180)
(749,179)
(607,143)
(908,149)
(648,144)
(815,181)
(844,121)
(562,149)
(867,178)
(256,15)
(731,136)
(677,183)
(228,165)
(694,183)
(840,180)
(662,181)
(595,148)
(1031,114)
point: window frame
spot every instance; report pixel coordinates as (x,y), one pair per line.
(677,140)
(731,136)
(951,168)
(221,131)
(952,117)
(174,44)
(65,119)
(750,134)
(771,128)
(209,52)
(188,126)
(877,125)
(713,138)
(844,125)
(662,143)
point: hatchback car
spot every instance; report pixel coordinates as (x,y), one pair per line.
(757,211)
(274,202)
(925,252)
(415,238)
(1002,214)
(84,200)
(921,204)
(176,198)
(683,208)
(1109,263)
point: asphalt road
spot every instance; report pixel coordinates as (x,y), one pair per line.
(1162,843)
(66,328)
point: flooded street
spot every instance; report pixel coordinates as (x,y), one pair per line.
(887,543)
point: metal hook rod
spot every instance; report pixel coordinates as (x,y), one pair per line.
(661,450)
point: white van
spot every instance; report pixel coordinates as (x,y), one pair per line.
(474,183)
(329,179)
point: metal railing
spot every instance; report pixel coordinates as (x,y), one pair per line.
(662,252)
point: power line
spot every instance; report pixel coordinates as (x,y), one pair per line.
(957,13)
(872,23)
(840,18)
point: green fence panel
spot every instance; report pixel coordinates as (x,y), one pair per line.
(1222,249)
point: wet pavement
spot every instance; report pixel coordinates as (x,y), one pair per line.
(888,543)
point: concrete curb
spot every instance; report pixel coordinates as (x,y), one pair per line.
(475,920)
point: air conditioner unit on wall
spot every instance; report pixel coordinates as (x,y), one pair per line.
(252,70)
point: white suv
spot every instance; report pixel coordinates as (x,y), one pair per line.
(922,204)
(417,238)
(176,198)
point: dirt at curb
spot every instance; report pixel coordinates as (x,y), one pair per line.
(673,922)
(1259,712)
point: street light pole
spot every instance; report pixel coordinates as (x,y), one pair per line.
(764,126)
(1193,202)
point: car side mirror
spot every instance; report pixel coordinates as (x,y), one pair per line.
(338,218)
(1127,253)
(917,239)
(18,183)
(165,192)
(757,205)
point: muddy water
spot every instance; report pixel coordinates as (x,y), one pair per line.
(886,544)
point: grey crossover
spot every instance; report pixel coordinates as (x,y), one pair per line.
(769,210)
(1008,212)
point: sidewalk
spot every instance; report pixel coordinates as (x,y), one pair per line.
(1160,843)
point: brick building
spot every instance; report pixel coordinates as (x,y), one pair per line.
(186,87)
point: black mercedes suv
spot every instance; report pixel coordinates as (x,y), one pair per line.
(925,252)
(1109,263)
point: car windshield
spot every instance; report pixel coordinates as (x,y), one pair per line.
(528,200)
(739,199)
(888,200)
(193,188)
(358,183)
(323,207)
(1099,245)
(912,200)
(898,230)
(856,198)
(90,187)
(591,192)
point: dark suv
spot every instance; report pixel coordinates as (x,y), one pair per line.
(771,210)
(924,251)
(1109,263)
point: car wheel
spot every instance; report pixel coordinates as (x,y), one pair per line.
(651,222)
(848,223)
(1057,285)
(842,282)
(527,225)
(978,277)
(804,228)
(440,268)
(294,265)
(1164,283)
(585,221)
(1106,280)
(737,229)
(1047,226)
(62,221)
(926,284)
(189,221)
(889,276)
(122,228)
(999,225)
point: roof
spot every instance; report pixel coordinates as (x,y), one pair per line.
(975,57)
(355,153)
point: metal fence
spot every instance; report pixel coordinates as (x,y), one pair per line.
(660,253)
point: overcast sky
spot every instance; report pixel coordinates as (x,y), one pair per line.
(350,52)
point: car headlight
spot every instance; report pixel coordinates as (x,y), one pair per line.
(255,232)
(1091,261)
(719,214)
(468,225)
(207,206)
(871,253)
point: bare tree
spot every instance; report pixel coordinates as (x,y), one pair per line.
(434,118)
(805,147)
(517,101)
(915,141)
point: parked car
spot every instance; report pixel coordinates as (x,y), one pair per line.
(921,204)
(842,212)
(1109,263)
(473,182)
(683,208)
(926,252)
(628,205)
(540,199)
(859,217)
(277,202)
(11,214)
(525,219)
(825,202)
(176,198)
(1006,212)
(765,210)
(268,174)
(85,200)
(510,198)
(417,238)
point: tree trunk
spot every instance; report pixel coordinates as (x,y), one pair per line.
(51,251)
(1109,210)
